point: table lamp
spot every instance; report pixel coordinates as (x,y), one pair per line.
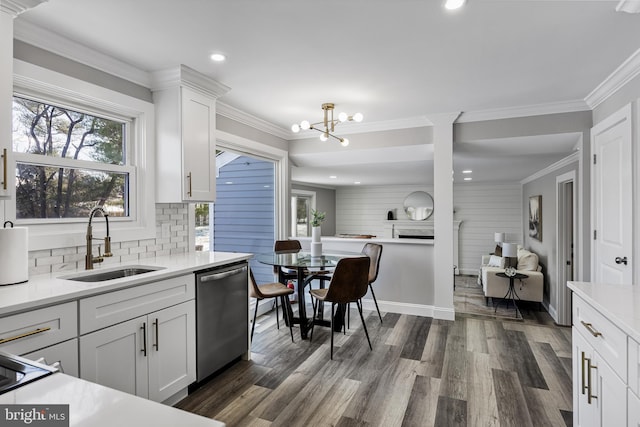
(509,251)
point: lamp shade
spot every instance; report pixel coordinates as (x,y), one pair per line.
(509,250)
(498,237)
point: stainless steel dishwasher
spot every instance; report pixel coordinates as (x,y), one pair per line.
(222,320)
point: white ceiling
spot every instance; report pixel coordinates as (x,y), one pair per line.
(393,61)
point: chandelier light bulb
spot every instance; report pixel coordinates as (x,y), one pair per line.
(453,4)
(358,117)
(305,124)
(343,117)
(295,128)
(323,137)
(344,142)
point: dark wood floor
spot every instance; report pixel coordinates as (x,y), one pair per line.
(474,371)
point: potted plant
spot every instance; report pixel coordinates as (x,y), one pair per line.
(316,220)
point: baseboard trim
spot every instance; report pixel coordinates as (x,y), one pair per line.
(410,309)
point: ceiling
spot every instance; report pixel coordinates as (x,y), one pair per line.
(397,62)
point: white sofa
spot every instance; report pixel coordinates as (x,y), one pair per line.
(529,289)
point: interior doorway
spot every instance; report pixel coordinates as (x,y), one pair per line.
(566,244)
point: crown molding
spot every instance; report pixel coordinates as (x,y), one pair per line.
(183,75)
(523,111)
(571,158)
(629,6)
(620,76)
(233,113)
(59,45)
(16,7)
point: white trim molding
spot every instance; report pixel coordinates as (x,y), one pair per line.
(16,7)
(571,158)
(183,75)
(523,111)
(628,70)
(240,116)
(628,6)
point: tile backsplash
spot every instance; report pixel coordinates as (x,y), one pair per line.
(175,214)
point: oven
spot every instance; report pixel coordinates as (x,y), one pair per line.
(17,371)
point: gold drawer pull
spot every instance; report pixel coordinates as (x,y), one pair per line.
(26,334)
(589,327)
(4,168)
(583,371)
(590,395)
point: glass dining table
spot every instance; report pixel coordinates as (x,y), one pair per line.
(308,269)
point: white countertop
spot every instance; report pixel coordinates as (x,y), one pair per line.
(619,303)
(93,405)
(46,289)
(373,239)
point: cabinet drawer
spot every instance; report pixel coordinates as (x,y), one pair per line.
(605,338)
(33,330)
(65,353)
(634,366)
(115,307)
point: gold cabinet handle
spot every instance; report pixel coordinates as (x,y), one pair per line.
(4,168)
(157,343)
(590,395)
(144,339)
(584,382)
(26,334)
(590,328)
(189,178)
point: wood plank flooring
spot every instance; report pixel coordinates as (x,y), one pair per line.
(474,371)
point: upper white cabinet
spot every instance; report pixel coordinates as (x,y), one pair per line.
(185,103)
(6,96)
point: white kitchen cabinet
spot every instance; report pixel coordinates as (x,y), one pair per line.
(599,368)
(6,97)
(185,103)
(633,403)
(151,356)
(64,354)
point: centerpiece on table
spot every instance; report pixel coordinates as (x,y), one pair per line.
(316,221)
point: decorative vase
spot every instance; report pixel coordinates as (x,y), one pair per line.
(316,245)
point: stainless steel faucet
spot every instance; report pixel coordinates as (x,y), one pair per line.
(89,259)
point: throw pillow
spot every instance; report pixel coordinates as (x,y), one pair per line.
(528,261)
(498,250)
(496,261)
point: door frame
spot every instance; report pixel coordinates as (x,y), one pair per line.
(563,294)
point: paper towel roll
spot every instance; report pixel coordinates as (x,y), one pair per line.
(14,255)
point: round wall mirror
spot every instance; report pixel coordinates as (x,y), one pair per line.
(418,205)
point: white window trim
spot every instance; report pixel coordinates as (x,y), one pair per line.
(294,193)
(40,82)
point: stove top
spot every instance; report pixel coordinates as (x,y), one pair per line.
(17,371)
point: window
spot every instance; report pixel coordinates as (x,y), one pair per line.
(77,145)
(68,162)
(302,203)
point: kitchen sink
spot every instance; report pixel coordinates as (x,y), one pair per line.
(119,273)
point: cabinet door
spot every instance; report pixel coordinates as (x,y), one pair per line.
(584,412)
(198,146)
(633,410)
(172,352)
(610,394)
(66,354)
(115,356)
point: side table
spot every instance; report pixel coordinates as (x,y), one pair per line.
(511,292)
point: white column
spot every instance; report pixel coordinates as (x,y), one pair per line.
(443,214)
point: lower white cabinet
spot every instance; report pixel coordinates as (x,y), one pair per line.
(152,356)
(599,369)
(65,354)
(633,403)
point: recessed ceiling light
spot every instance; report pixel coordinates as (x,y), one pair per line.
(333,177)
(468,178)
(453,4)
(218,57)
(467,171)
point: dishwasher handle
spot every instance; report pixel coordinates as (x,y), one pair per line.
(222,275)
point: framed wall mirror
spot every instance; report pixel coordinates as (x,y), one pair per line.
(418,206)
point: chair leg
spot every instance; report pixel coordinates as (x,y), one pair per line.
(255,313)
(375,301)
(315,303)
(364,325)
(333,305)
(348,317)
(277,314)
(286,313)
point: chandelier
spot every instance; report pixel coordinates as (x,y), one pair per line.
(328,124)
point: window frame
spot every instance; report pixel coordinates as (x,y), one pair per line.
(43,85)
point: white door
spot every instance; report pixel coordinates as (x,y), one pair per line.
(612,196)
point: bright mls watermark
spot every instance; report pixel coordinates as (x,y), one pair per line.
(34,415)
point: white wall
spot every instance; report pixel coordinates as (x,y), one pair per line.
(482,208)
